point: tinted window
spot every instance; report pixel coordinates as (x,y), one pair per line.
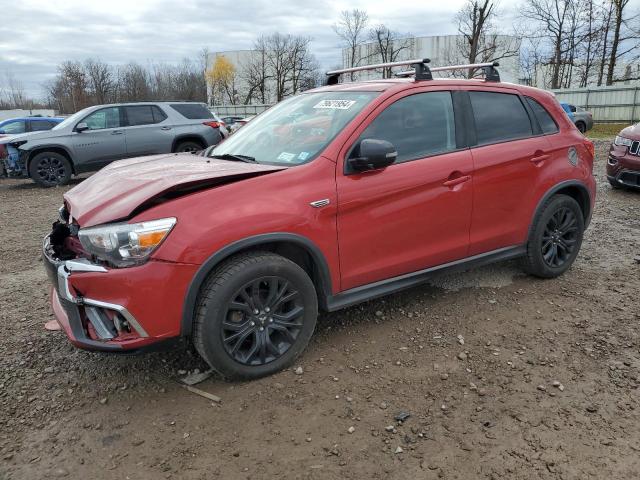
(142,115)
(544,119)
(105,118)
(193,111)
(418,125)
(499,117)
(39,125)
(11,128)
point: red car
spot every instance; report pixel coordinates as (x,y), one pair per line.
(335,196)
(623,165)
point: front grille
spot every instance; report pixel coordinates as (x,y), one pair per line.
(634,149)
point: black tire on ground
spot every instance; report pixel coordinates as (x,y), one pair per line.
(555,238)
(189,146)
(50,169)
(613,183)
(255,314)
(582,127)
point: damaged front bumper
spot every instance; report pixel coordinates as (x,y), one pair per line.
(13,161)
(93,304)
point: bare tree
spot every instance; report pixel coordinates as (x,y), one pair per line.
(388,45)
(625,38)
(100,80)
(351,28)
(478,40)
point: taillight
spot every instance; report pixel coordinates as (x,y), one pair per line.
(591,148)
(212,124)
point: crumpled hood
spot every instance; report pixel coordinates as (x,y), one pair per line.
(117,190)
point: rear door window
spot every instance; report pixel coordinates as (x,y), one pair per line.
(40,125)
(418,125)
(545,120)
(499,117)
(192,111)
(139,115)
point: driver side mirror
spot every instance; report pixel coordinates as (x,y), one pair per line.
(81,127)
(372,154)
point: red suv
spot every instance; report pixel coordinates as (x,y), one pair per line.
(336,196)
(623,165)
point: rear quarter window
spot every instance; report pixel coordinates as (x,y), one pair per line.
(545,120)
(499,117)
(192,111)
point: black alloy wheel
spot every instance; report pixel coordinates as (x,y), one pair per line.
(263,320)
(255,314)
(555,237)
(560,237)
(50,169)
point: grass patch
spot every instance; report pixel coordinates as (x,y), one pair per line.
(606,130)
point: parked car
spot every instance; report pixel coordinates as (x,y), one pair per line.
(14,126)
(332,197)
(581,118)
(96,136)
(623,164)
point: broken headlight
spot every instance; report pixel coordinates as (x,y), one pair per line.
(125,244)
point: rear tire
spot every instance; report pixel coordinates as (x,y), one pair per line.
(255,314)
(50,169)
(556,237)
(189,146)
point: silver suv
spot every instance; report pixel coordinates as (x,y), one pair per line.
(96,136)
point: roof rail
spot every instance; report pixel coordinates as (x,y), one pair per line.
(489,70)
(421,70)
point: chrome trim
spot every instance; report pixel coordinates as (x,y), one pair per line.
(64,272)
(83,265)
(98,324)
(121,310)
(320,203)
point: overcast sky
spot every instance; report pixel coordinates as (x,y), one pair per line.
(36,35)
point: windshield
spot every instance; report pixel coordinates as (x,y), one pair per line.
(72,119)
(296,130)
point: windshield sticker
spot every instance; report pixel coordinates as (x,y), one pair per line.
(335,104)
(286,156)
(303,155)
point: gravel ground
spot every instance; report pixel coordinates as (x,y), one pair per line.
(503,375)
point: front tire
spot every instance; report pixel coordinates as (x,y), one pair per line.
(50,169)
(255,314)
(582,127)
(556,237)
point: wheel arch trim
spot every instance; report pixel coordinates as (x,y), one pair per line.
(186,137)
(41,148)
(557,188)
(189,306)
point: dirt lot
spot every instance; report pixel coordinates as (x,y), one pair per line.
(542,382)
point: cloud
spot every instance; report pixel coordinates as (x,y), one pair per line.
(36,36)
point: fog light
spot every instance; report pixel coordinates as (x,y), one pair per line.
(612,161)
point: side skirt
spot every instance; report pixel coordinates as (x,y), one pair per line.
(395,284)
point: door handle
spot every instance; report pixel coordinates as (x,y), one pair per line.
(117,132)
(537,159)
(165,128)
(456,181)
